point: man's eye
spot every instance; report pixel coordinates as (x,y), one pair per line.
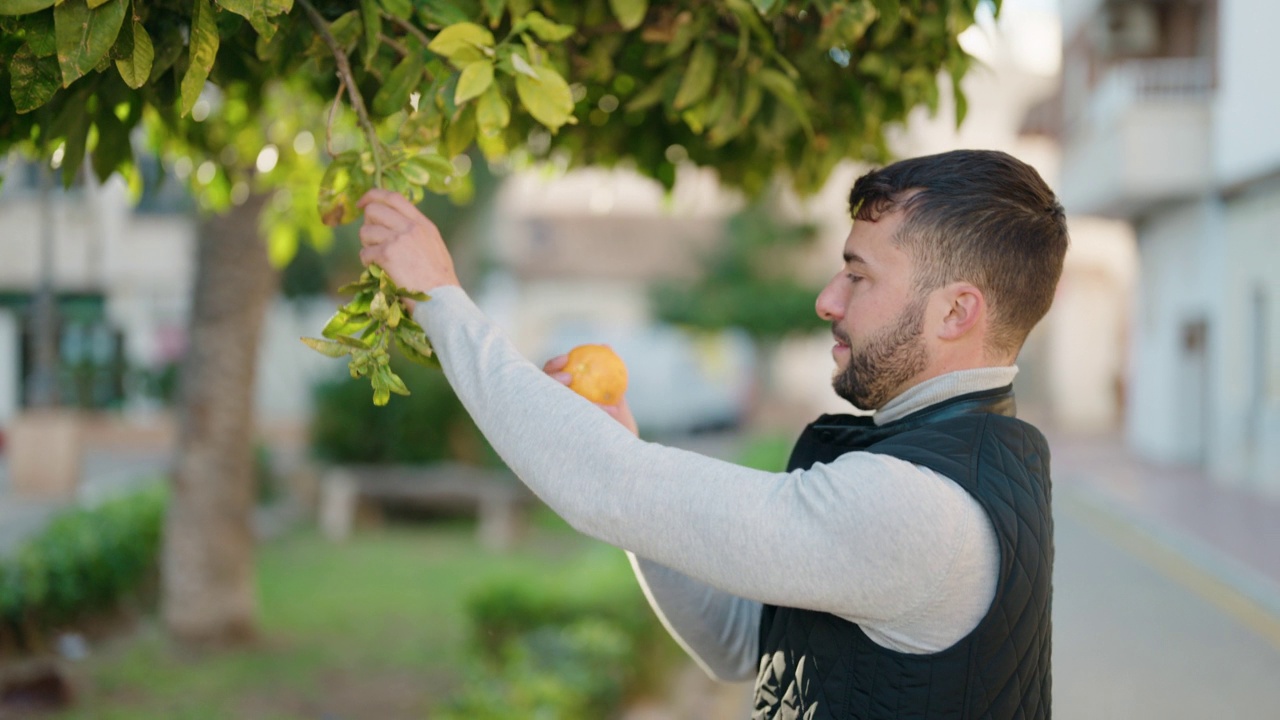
(853,278)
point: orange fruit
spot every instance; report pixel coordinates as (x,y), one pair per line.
(599,375)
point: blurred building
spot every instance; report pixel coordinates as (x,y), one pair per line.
(120,278)
(1169,125)
(122,274)
(1071,368)
(571,258)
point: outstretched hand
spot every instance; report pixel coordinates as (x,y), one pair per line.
(620,412)
(403,242)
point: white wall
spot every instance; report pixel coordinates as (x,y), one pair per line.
(1247,109)
(1077,12)
(1165,420)
(1248,431)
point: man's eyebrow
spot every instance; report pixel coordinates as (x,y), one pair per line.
(852,257)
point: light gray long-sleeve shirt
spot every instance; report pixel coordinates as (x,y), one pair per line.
(895,547)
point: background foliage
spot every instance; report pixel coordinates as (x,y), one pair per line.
(751,88)
(85,561)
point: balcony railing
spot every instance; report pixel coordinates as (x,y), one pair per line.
(1136,81)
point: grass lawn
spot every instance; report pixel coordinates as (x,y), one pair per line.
(373,628)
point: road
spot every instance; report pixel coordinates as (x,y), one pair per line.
(1141,633)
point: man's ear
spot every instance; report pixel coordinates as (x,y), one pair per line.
(965,309)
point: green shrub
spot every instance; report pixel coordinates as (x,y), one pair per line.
(578,671)
(86,560)
(573,645)
(428,426)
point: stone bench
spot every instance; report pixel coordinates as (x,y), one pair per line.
(351,495)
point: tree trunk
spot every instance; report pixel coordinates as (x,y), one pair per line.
(208,588)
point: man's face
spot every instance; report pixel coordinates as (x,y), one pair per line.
(876,317)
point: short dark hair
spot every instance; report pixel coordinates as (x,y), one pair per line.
(978,216)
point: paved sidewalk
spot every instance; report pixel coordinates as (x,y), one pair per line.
(1232,533)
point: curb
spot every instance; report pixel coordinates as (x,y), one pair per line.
(1235,588)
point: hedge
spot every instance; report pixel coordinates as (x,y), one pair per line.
(85,561)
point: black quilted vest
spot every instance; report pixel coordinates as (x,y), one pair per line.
(816,665)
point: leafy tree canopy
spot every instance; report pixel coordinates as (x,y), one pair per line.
(750,87)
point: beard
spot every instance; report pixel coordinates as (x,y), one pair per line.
(879,369)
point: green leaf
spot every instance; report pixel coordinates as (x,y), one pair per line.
(432,165)
(460,38)
(85,35)
(352,287)
(475,79)
(40,34)
(363,299)
(371,19)
(653,93)
(114,148)
(698,78)
(24,7)
(402,9)
(379,308)
(630,13)
(33,81)
(548,98)
(168,48)
(415,173)
(441,12)
(135,63)
(522,66)
(548,30)
(763,6)
(394,94)
(418,350)
(460,133)
(346,30)
(395,384)
(95,3)
(259,13)
(203,49)
(782,88)
(494,9)
(962,102)
(329,348)
(77,138)
(492,112)
(344,324)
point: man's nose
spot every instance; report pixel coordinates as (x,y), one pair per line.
(829,305)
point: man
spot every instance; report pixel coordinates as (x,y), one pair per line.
(902,567)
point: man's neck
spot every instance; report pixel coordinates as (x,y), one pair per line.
(944,387)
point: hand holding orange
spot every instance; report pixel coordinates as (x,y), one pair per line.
(597,373)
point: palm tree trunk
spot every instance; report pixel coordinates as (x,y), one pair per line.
(207,571)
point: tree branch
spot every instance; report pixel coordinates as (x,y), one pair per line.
(411,29)
(346,77)
(391,43)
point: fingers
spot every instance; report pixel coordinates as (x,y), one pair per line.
(393,200)
(371,254)
(371,235)
(556,364)
(385,216)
